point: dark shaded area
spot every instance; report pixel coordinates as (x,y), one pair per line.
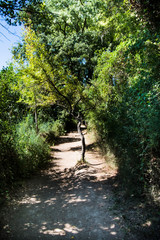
(58,194)
(96,164)
(149,10)
(11,11)
(74,205)
(56,150)
(88,147)
(142,218)
(91,146)
(65,139)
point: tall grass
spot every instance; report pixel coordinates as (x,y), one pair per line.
(33,151)
(23,151)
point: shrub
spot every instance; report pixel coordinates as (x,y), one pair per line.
(32,150)
(126,107)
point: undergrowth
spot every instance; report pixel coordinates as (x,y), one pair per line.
(24,151)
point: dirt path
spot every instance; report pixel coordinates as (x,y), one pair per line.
(68,152)
(67,202)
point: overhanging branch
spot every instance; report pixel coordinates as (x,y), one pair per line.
(57,90)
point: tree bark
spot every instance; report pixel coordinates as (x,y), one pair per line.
(36,120)
(82,141)
(35,113)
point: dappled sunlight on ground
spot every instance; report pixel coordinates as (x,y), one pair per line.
(64,208)
(70,203)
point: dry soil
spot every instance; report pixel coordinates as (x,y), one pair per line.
(68,201)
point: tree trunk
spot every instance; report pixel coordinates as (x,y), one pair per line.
(36,119)
(35,113)
(82,141)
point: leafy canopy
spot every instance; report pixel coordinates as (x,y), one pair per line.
(11,10)
(46,81)
(71,33)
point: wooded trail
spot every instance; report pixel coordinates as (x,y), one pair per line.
(67,201)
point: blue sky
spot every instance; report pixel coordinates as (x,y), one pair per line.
(9,36)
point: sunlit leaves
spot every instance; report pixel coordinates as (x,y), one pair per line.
(75,15)
(9,109)
(43,81)
(125,95)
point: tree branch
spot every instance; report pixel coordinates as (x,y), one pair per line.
(81,2)
(56,89)
(84,25)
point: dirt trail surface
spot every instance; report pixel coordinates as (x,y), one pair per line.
(67,201)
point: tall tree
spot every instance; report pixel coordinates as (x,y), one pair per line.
(42,82)
(11,10)
(71,33)
(70,36)
(149,10)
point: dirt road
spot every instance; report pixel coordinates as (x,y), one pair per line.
(67,202)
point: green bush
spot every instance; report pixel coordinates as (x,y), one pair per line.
(58,128)
(51,130)
(8,163)
(32,150)
(126,107)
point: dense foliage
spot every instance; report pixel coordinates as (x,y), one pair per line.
(98,58)
(12,10)
(126,99)
(23,151)
(149,10)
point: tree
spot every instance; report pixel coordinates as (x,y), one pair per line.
(66,53)
(126,97)
(71,32)
(97,59)
(43,83)
(149,11)
(10,110)
(11,10)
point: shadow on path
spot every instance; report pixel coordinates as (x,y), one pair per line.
(65,139)
(63,205)
(74,204)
